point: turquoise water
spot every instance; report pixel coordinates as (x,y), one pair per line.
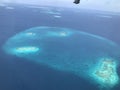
(89,56)
(56,48)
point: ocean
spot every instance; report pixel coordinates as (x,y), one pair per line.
(18,73)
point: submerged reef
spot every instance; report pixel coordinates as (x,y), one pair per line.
(106,72)
(86,55)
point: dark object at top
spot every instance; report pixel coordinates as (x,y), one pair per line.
(76,1)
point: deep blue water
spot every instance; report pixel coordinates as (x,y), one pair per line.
(19,74)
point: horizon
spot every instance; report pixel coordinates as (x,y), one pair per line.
(102,5)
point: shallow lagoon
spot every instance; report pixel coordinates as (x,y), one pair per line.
(83,54)
(23,58)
